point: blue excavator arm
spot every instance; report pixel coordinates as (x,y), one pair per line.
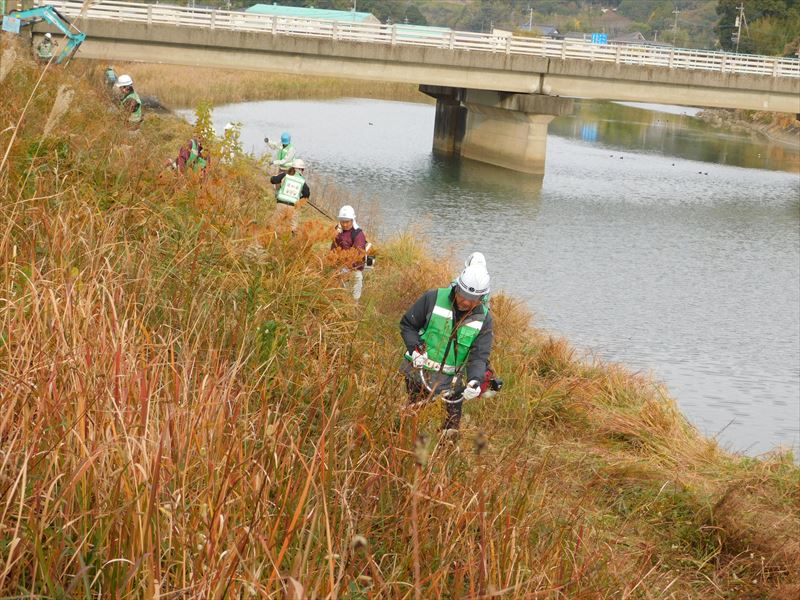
(51,15)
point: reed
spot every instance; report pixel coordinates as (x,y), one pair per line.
(183,87)
(192,407)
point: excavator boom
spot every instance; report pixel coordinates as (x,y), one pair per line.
(48,13)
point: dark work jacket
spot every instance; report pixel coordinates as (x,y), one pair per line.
(416,320)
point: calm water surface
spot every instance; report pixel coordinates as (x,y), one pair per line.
(651,240)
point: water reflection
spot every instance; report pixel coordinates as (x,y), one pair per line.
(624,127)
(485,180)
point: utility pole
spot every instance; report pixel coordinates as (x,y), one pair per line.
(675,12)
(530,18)
(740,20)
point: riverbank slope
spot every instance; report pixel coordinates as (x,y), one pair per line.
(777,127)
(194,406)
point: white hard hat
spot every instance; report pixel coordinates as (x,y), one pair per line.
(124,80)
(228,126)
(476,258)
(299,163)
(346,213)
(473,283)
(48,35)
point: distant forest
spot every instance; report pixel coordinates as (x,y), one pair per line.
(769,26)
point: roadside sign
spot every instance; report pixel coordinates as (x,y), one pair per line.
(599,38)
(11,24)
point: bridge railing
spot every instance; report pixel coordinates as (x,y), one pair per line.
(643,55)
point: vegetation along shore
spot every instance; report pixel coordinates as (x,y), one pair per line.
(177,86)
(193,407)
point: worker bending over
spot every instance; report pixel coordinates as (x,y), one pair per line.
(192,156)
(130,102)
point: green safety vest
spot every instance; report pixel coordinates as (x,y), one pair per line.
(136,115)
(195,161)
(283,153)
(45,50)
(291,189)
(447,353)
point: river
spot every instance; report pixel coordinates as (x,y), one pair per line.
(652,239)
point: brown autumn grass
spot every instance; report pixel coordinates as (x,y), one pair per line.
(183,87)
(193,408)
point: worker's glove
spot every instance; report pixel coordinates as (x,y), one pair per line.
(276,162)
(418,359)
(472,391)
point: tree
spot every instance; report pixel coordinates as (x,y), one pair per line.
(636,10)
(414,16)
(771,24)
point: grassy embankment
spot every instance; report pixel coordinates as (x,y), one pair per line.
(778,127)
(193,408)
(182,87)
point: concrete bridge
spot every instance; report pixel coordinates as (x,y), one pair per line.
(495,95)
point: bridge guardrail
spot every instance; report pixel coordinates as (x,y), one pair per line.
(672,58)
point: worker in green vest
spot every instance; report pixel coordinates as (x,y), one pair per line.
(285,152)
(110,75)
(192,156)
(130,102)
(448,335)
(44,51)
(291,193)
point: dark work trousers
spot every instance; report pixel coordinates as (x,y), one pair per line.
(437,382)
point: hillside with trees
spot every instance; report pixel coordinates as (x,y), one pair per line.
(769,27)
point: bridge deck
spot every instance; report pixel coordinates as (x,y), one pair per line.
(654,56)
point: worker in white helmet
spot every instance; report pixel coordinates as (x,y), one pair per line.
(350,237)
(130,102)
(448,335)
(476,258)
(45,49)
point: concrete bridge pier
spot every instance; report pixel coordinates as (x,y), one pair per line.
(451,118)
(500,128)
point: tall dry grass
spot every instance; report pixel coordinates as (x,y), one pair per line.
(193,408)
(183,87)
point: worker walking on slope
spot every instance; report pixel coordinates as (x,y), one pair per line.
(46,48)
(286,152)
(351,236)
(130,102)
(448,335)
(293,191)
